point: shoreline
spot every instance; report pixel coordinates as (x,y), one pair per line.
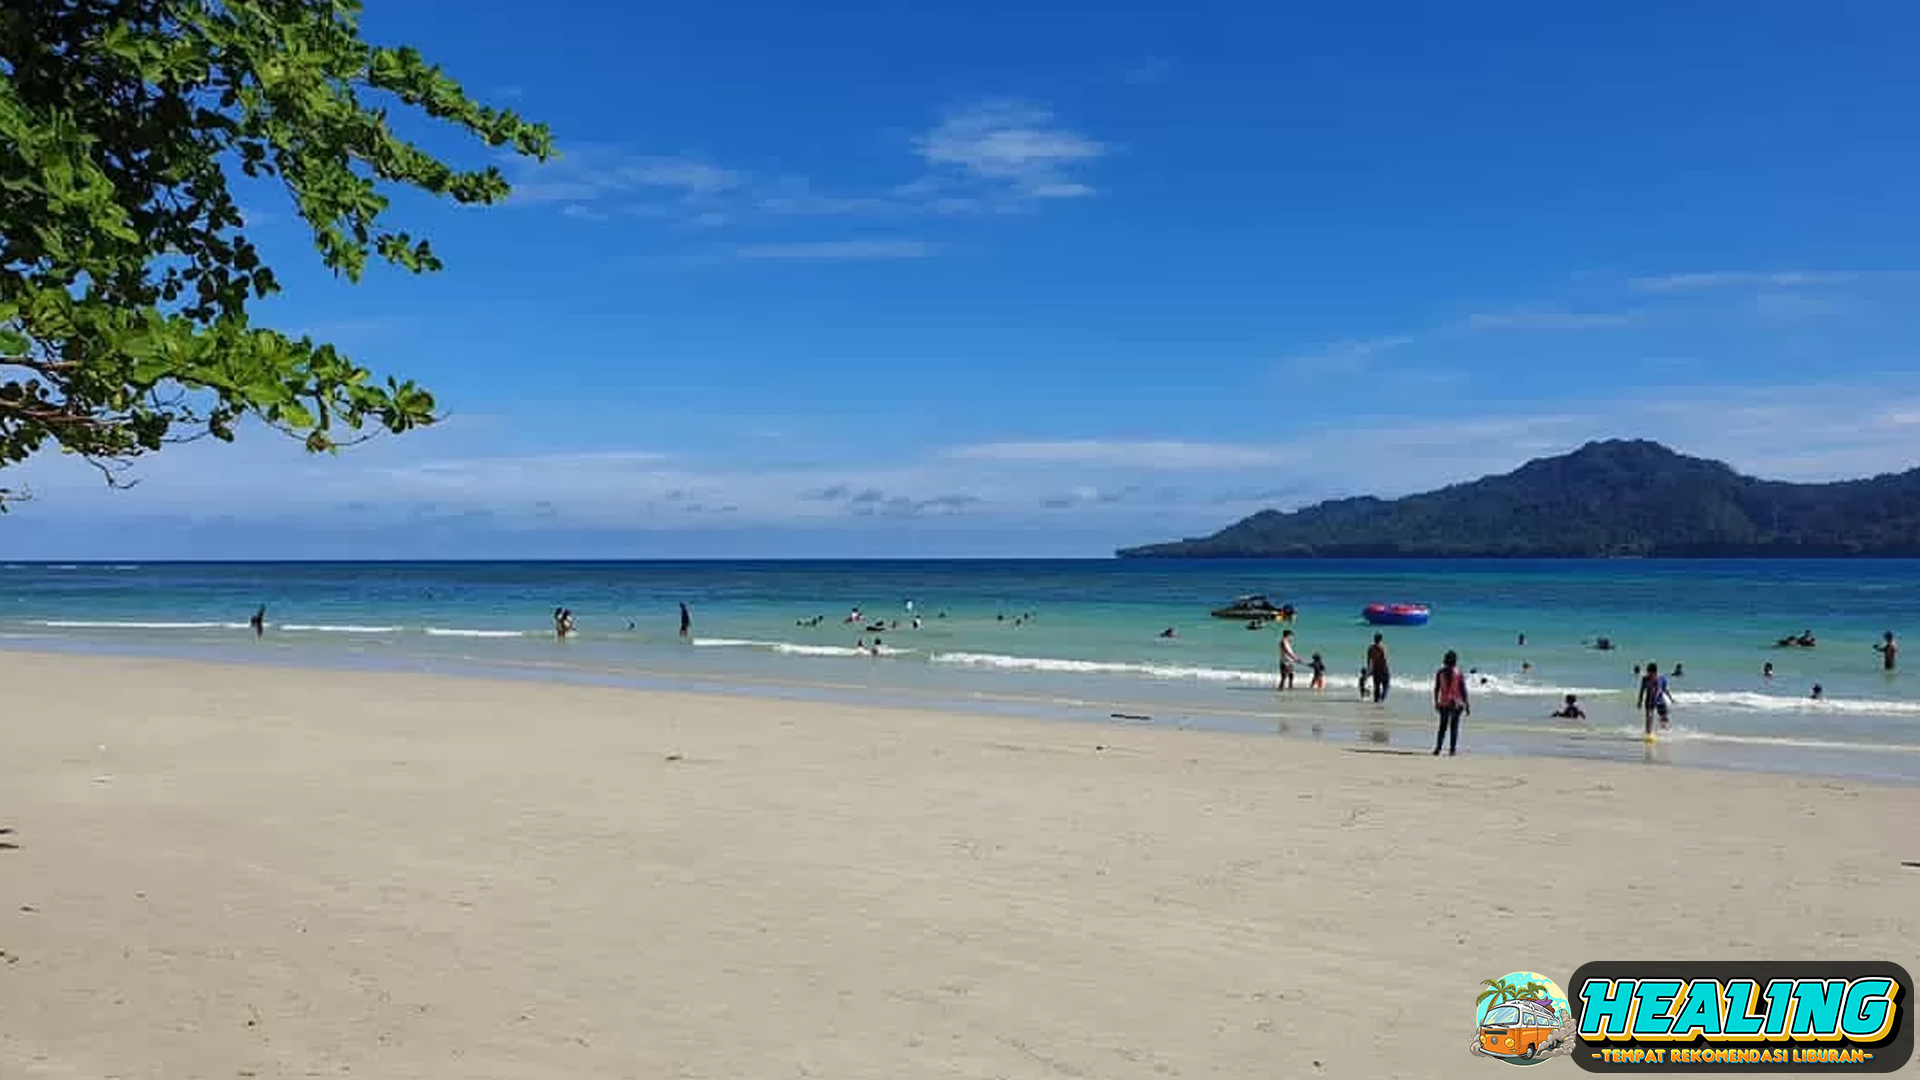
(222,870)
(1299,716)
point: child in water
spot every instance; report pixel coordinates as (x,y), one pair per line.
(1319,668)
(1571,710)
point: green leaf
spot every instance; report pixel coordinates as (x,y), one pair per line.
(121,253)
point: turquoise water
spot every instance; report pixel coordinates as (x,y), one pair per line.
(1079,639)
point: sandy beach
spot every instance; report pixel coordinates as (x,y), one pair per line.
(222,871)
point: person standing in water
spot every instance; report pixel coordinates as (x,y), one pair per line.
(686,621)
(1889,651)
(259,624)
(1288,659)
(1450,701)
(1377,668)
(1653,697)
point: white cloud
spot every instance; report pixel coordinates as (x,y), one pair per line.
(1011,148)
(1344,357)
(1550,320)
(589,175)
(990,157)
(1120,453)
(840,250)
(1780,308)
(1732,279)
(1111,490)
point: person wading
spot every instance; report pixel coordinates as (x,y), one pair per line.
(1377,668)
(1288,659)
(1450,701)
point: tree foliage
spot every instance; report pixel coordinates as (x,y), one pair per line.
(1615,498)
(126,272)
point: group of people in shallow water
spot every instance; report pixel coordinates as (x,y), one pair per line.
(1452,701)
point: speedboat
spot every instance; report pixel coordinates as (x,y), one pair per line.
(1252,607)
(1396,614)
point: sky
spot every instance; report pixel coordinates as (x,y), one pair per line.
(999,280)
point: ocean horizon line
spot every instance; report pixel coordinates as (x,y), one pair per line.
(1208,560)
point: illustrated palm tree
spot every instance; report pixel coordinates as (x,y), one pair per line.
(1500,990)
(1496,992)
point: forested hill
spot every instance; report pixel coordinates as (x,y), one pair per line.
(1615,498)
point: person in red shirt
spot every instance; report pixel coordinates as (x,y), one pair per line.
(1450,701)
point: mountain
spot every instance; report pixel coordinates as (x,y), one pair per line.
(1610,498)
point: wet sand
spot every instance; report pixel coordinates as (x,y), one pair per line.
(219,871)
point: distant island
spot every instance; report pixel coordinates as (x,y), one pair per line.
(1618,498)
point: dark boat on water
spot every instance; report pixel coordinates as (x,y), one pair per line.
(1254,607)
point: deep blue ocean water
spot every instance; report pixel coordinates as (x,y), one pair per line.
(1079,640)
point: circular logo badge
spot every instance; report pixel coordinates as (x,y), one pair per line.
(1522,1019)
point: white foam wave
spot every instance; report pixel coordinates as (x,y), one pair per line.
(107,624)
(1103,667)
(1683,734)
(790,648)
(463,632)
(837,650)
(1520,686)
(1755,702)
(326,628)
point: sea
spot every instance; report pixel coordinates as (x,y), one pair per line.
(1082,640)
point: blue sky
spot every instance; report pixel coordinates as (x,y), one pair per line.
(942,279)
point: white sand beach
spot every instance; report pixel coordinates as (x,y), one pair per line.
(220,871)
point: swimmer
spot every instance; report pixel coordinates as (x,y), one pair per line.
(1888,649)
(1819,694)
(1766,670)
(1168,632)
(1526,667)
(1571,710)
(1679,671)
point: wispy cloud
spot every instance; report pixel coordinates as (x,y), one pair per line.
(1007,150)
(1734,279)
(1122,453)
(593,174)
(840,250)
(990,157)
(1783,308)
(1108,490)
(1550,320)
(1344,357)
